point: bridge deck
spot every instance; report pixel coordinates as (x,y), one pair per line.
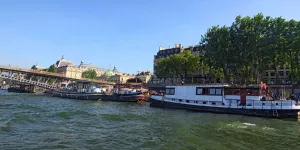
(50,74)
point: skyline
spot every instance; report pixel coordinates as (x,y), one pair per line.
(117,33)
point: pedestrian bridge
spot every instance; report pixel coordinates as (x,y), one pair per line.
(17,74)
(36,83)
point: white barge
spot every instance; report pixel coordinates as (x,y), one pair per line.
(253,101)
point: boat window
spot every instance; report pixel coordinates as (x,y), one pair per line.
(199,91)
(212,91)
(170,91)
(204,102)
(213,103)
(231,91)
(167,91)
(218,91)
(187,101)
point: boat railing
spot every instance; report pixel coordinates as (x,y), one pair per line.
(270,104)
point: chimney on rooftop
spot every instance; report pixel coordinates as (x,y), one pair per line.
(161,48)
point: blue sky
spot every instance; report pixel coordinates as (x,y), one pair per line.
(124,33)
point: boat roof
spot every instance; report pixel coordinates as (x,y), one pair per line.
(199,85)
(216,85)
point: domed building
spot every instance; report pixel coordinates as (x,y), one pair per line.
(109,73)
(115,76)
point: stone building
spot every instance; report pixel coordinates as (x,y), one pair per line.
(283,76)
(115,76)
(163,53)
(68,68)
(144,76)
(85,67)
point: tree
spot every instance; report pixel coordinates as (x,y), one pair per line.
(51,68)
(177,66)
(91,74)
(242,52)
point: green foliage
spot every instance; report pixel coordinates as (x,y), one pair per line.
(251,45)
(178,65)
(91,74)
(51,68)
(242,52)
(51,81)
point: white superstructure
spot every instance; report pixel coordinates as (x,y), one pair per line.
(223,96)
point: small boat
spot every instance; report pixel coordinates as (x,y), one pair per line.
(124,96)
(81,91)
(21,89)
(128,92)
(254,100)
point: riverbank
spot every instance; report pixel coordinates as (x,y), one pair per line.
(41,122)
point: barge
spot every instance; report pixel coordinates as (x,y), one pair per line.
(250,100)
(81,91)
(124,96)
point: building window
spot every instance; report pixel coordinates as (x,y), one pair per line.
(281,73)
(272,73)
(199,91)
(267,74)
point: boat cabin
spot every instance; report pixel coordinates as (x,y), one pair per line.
(215,94)
(85,87)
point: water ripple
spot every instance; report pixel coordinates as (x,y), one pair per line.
(37,122)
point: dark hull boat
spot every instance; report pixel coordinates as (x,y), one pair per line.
(79,96)
(134,97)
(251,101)
(18,90)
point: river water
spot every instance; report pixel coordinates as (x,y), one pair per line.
(43,122)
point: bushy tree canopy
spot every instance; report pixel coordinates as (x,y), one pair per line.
(242,52)
(91,74)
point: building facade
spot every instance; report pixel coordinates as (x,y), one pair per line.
(163,53)
(70,71)
(86,67)
(115,76)
(283,76)
(144,76)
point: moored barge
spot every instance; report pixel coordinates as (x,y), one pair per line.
(251,100)
(124,95)
(81,91)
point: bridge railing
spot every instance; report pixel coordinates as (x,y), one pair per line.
(15,68)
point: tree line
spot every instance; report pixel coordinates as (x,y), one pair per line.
(241,53)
